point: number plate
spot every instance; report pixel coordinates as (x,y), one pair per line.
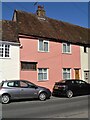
(56,87)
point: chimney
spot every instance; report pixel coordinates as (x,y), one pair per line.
(40,11)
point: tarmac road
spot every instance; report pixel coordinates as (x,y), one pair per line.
(56,107)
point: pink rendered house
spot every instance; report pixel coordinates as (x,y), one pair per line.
(46,67)
(48,52)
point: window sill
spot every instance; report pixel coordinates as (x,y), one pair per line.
(67,53)
(42,80)
(5,57)
(43,51)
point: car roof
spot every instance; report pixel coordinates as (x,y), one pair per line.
(70,80)
(13,80)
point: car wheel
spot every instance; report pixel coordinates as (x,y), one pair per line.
(5,99)
(69,94)
(42,96)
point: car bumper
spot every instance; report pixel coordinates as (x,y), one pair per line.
(58,92)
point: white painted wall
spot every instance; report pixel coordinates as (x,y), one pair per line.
(10,67)
(84,61)
(89,63)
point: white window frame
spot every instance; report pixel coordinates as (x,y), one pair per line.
(43,46)
(43,77)
(4,50)
(66,48)
(66,72)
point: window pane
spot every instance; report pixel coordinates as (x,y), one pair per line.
(23,84)
(4,50)
(40,76)
(45,76)
(16,83)
(68,47)
(11,84)
(28,65)
(85,49)
(7,50)
(66,73)
(64,48)
(1,50)
(41,45)
(46,46)
(64,70)
(45,70)
(40,70)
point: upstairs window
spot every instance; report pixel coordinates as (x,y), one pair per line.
(43,46)
(28,65)
(85,49)
(66,48)
(4,51)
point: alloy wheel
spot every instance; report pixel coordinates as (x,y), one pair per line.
(42,96)
(69,94)
(5,99)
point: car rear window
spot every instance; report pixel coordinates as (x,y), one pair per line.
(61,83)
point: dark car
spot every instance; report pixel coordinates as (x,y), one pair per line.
(22,89)
(71,88)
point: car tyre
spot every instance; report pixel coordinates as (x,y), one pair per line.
(5,99)
(69,94)
(42,96)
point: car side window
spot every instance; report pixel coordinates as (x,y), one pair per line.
(13,84)
(69,82)
(30,85)
(10,84)
(82,83)
(23,84)
(79,82)
(76,82)
(16,84)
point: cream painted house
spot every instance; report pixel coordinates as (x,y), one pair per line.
(89,63)
(9,52)
(85,67)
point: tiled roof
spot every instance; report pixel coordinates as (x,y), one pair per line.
(8,31)
(31,24)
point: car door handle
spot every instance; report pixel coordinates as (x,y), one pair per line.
(22,90)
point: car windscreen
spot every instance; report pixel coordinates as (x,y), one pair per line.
(1,84)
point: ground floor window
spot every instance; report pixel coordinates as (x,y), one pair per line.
(66,73)
(42,74)
(28,65)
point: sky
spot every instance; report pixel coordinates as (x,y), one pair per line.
(71,12)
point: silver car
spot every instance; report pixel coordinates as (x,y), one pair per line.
(22,89)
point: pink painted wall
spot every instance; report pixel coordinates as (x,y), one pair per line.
(72,60)
(53,60)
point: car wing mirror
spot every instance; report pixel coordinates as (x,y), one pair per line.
(33,86)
